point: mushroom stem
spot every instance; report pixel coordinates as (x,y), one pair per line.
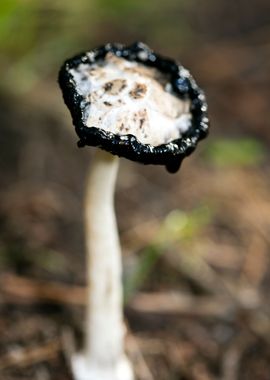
(104,357)
(104,322)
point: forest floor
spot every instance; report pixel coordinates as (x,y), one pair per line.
(195,251)
(196,245)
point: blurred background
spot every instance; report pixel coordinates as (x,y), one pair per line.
(196,244)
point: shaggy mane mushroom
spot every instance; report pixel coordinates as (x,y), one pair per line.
(129,102)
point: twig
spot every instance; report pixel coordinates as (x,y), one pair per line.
(177,303)
(35,290)
(29,356)
(231,358)
(141,368)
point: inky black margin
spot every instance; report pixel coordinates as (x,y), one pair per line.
(183,84)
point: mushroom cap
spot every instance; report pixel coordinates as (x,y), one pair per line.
(183,85)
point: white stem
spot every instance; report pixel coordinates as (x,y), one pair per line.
(104,346)
(104,322)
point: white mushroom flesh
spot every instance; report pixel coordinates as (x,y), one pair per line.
(126,97)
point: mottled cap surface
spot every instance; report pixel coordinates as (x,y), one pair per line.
(135,104)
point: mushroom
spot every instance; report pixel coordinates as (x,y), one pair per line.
(132,103)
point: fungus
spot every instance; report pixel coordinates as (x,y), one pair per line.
(132,103)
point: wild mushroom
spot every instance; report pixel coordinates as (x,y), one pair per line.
(132,103)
